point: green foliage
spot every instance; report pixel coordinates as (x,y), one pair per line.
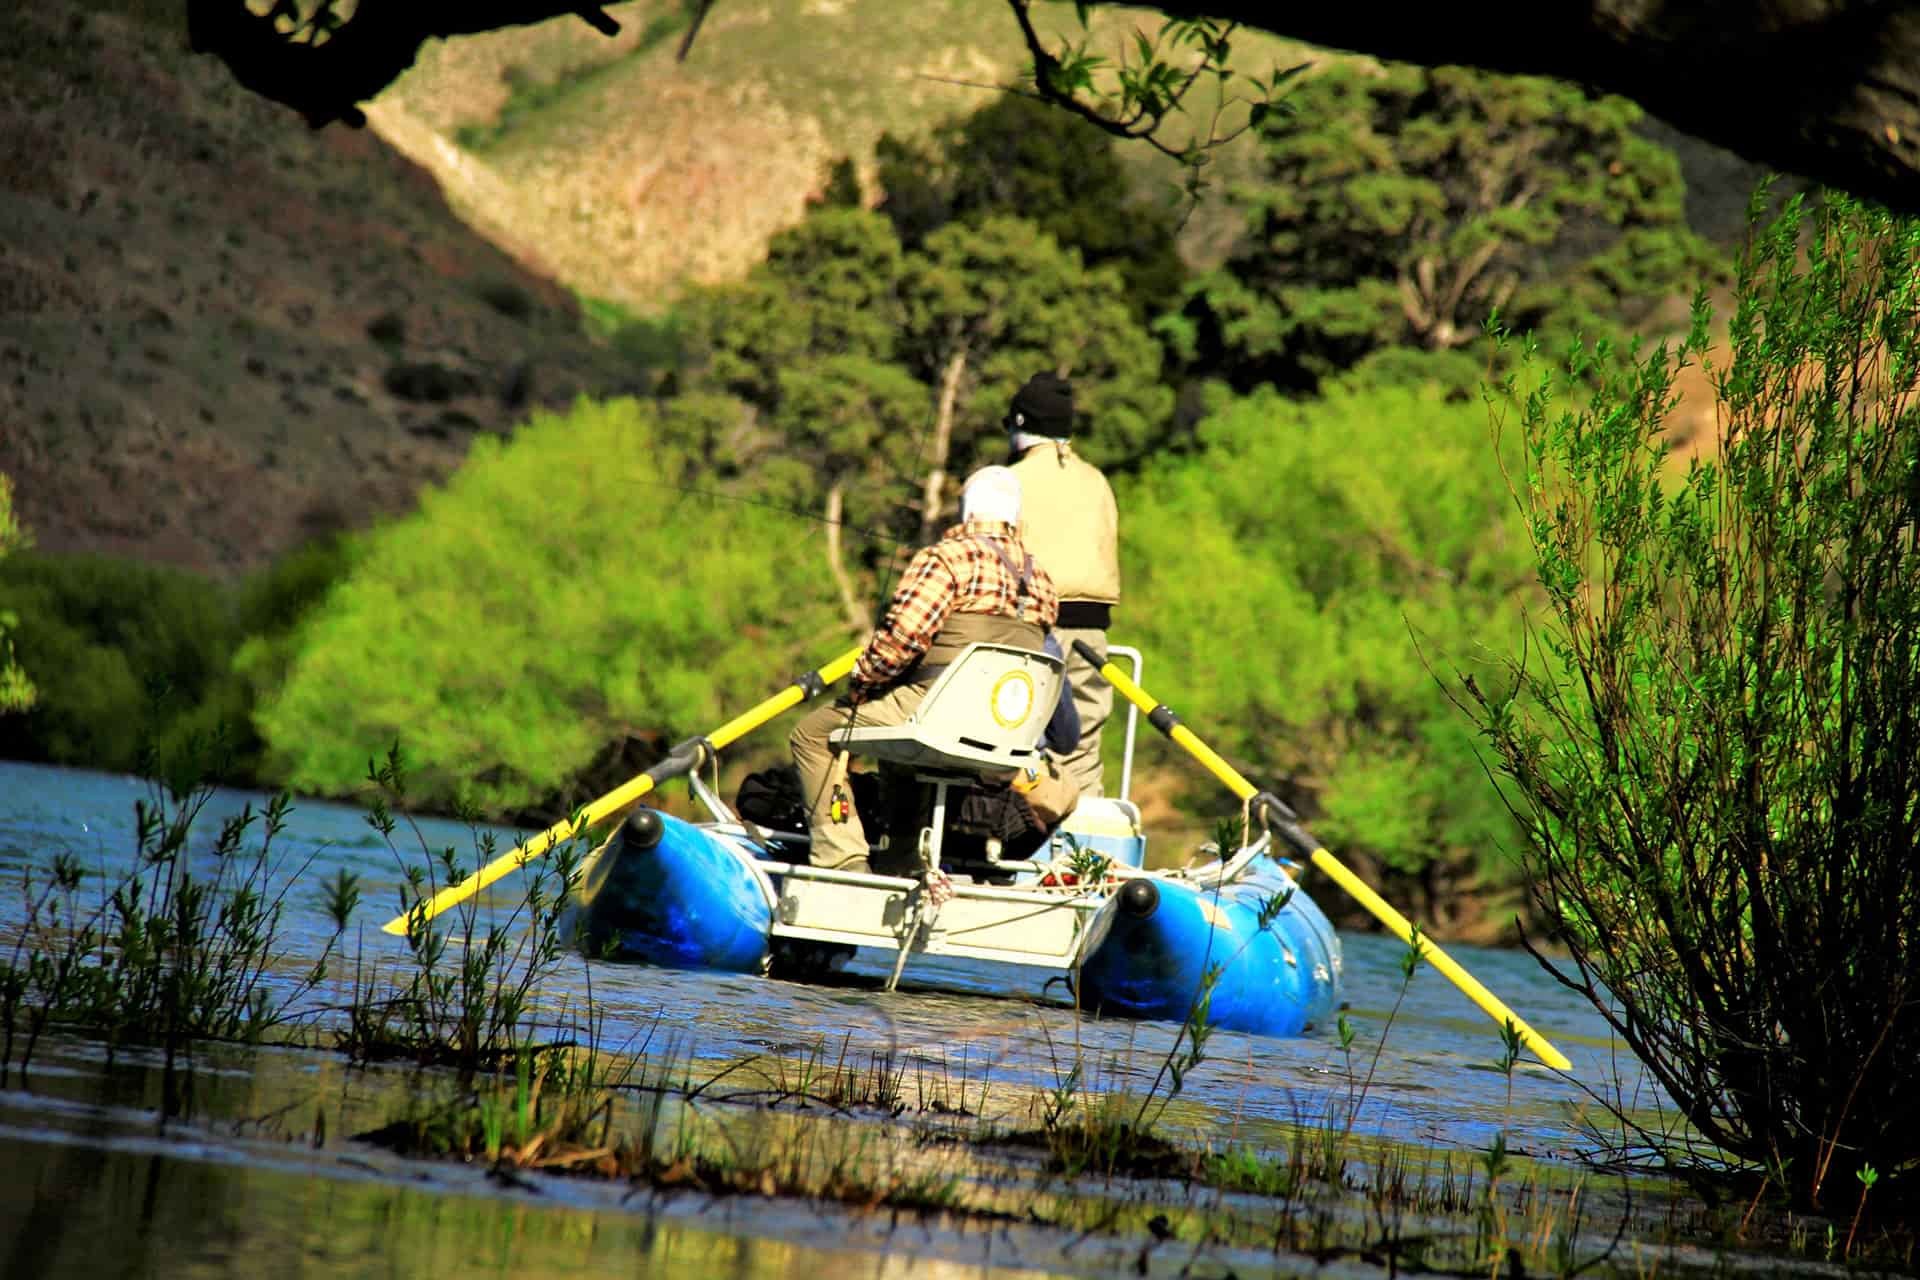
(1011,301)
(655,345)
(1154,79)
(16,690)
(1722,801)
(1018,158)
(271,608)
(561,592)
(130,659)
(1317,575)
(137,662)
(809,342)
(829,288)
(467,997)
(1404,207)
(843,340)
(843,186)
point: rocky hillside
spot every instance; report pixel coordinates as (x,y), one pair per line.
(221,333)
(635,173)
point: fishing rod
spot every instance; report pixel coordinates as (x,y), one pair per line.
(682,759)
(888,538)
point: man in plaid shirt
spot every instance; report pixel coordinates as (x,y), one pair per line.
(977,584)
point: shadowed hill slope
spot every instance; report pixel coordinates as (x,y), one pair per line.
(222,333)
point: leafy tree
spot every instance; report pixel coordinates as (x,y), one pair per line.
(1018,158)
(829,287)
(856,421)
(1408,205)
(810,343)
(1286,581)
(131,662)
(563,591)
(876,371)
(1722,800)
(138,660)
(272,609)
(843,186)
(16,690)
(990,304)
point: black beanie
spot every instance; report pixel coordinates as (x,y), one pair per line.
(1044,406)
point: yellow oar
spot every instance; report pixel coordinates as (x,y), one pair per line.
(1287,822)
(682,758)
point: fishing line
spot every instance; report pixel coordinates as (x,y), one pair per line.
(886,592)
(889,538)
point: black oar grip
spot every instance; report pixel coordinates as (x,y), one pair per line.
(1091,654)
(1280,816)
(683,759)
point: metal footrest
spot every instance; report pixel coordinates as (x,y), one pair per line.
(980,922)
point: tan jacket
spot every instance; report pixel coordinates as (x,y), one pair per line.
(1069,522)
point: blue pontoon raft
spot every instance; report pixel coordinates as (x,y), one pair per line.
(731,895)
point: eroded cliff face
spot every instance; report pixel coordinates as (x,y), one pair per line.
(222,333)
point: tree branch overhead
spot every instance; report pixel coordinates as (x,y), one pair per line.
(1829,89)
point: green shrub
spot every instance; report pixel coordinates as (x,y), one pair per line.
(1722,802)
(135,662)
(1316,546)
(126,656)
(567,589)
(16,690)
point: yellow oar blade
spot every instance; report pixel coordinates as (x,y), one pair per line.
(627,794)
(1489,1003)
(1161,717)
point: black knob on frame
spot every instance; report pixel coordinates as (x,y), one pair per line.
(644,828)
(1140,898)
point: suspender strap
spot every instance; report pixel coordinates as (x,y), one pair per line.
(1024,573)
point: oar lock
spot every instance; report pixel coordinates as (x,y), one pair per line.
(1272,811)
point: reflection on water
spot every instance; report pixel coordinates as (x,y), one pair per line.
(95,1185)
(88,1210)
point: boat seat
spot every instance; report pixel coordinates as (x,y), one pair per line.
(986,712)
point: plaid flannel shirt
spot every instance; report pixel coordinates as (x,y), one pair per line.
(958,574)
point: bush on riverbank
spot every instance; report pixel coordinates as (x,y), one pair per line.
(134,663)
(1283,582)
(1722,806)
(573,587)
(16,690)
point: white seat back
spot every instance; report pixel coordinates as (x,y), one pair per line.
(987,710)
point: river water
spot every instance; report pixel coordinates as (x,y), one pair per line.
(262,1178)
